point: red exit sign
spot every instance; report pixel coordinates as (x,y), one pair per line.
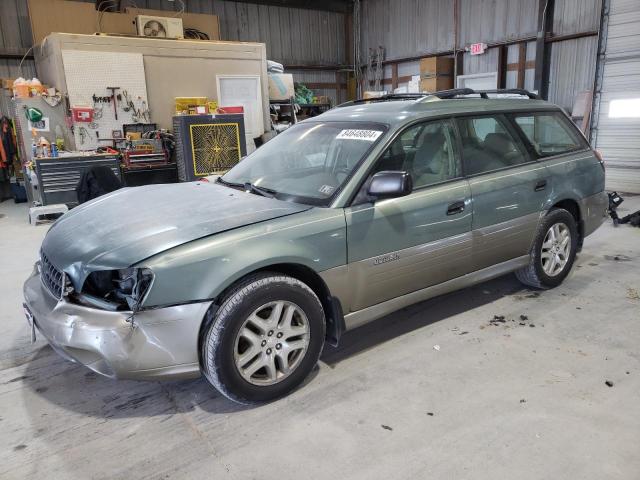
(477,48)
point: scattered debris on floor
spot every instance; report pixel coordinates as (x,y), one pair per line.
(463,333)
(430,414)
(526,294)
(632,294)
(22,446)
(608,383)
(497,320)
(523,400)
(436,347)
(387,427)
(618,258)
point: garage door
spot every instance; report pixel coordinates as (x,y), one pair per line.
(617,132)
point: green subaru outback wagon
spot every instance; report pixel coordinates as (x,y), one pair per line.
(336,222)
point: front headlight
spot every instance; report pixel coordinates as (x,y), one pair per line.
(117,289)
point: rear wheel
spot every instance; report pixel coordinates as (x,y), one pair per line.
(265,339)
(553,251)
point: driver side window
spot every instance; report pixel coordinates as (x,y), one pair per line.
(425,151)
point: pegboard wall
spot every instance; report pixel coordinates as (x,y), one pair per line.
(90,73)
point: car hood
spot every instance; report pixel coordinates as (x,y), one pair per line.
(131,224)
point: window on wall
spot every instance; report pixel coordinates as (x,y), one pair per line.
(487,145)
(549,133)
(624,108)
(426,152)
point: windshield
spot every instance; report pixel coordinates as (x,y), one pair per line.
(309,162)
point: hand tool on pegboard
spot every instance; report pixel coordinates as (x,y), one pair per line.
(115,100)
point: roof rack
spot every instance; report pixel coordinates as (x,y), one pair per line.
(386,98)
(444,94)
(484,93)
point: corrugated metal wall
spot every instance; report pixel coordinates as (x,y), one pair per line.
(573,62)
(573,16)
(409,28)
(406,27)
(496,20)
(573,68)
(293,36)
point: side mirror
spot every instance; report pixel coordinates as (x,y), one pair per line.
(390,184)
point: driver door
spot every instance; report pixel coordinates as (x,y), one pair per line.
(401,245)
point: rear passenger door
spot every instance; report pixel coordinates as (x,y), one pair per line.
(508,188)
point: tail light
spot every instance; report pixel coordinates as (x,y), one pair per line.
(600,158)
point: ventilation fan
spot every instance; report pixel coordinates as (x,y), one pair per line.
(159,27)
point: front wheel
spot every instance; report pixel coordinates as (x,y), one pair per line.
(553,251)
(265,339)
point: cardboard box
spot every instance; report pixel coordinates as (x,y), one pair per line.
(48,16)
(281,86)
(7,83)
(436,73)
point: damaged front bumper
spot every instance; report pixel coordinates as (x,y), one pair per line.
(161,343)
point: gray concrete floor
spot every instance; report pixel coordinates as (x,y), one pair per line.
(506,401)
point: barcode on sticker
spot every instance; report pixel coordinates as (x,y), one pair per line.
(368,135)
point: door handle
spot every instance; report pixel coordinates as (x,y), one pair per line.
(455,207)
(541,185)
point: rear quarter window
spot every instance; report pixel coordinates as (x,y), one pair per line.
(549,133)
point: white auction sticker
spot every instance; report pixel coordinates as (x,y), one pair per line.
(368,135)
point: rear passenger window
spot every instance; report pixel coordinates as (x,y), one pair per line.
(488,145)
(548,133)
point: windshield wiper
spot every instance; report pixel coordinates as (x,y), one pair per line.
(249,187)
(265,192)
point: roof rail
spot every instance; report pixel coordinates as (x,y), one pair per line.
(442,94)
(386,98)
(484,93)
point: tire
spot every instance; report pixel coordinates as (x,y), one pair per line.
(537,273)
(263,303)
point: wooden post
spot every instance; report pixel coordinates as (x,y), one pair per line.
(394,76)
(522,63)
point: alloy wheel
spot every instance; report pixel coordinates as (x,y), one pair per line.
(271,343)
(556,249)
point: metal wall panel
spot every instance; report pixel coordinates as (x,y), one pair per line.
(292,35)
(573,16)
(496,20)
(406,28)
(619,137)
(573,66)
